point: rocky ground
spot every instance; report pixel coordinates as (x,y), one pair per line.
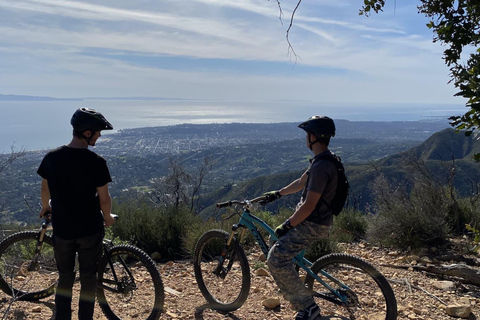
(419,295)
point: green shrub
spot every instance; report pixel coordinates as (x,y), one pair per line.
(320,248)
(350,225)
(416,219)
(466,212)
(195,231)
(153,228)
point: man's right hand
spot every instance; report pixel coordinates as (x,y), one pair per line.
(45,212)
(109,219)
(272,195)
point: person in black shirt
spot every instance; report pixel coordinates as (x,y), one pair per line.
(75,191)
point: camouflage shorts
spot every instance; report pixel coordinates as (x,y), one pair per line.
(280,261)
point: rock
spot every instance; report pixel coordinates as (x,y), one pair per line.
(412,257)
(444,285)
(172,315)
(271,303)
(426,260)
(417,311)
(459,311)
(401,309)
(37,309)
(156,256)
(262,272)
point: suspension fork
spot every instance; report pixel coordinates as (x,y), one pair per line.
(220,270)
(41,235)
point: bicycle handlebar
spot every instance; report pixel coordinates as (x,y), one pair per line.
(261,199)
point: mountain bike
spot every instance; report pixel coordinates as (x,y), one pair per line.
(128,286)
(341,284)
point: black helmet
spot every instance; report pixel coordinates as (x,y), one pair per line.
(320,126)
(89,119)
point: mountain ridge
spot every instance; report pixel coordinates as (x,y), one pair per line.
(438,154)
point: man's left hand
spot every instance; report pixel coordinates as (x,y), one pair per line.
(282,229)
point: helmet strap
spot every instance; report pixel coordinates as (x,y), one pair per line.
(310,142)
(85,137)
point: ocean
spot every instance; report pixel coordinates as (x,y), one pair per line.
(38,125)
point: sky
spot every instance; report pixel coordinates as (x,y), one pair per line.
(221,49)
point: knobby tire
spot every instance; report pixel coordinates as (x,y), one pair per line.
(370,295)
(20,275)
(229,290)
(141,298)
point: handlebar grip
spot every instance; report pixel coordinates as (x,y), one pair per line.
(224,204)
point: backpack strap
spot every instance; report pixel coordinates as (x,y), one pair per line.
(316,217)
(333,159)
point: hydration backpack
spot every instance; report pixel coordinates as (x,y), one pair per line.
(341,193)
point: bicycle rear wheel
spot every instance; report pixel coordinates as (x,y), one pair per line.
(368,296)
(23,273)
(224,285)
(130,287)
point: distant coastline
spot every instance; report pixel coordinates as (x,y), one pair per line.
(12,97)
(36,123)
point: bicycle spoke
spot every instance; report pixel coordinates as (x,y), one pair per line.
(30,276)
(223,282)
(362,299)
(134,294)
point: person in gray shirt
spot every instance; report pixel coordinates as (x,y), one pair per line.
(310,221)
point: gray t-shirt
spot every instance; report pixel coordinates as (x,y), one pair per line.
(322,179)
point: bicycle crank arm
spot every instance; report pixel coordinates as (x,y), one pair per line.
(329,297)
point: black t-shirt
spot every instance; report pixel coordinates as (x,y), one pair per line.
(73,176)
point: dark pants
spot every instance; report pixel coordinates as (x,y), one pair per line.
(89,251)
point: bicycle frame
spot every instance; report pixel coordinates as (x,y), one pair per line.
(119,285)
(106,245)
(250,222)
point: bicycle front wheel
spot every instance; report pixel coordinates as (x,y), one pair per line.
(365,293)
(224,282)
(129,285)
(25,274)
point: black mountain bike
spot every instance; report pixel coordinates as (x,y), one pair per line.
(129,284)
(342,284)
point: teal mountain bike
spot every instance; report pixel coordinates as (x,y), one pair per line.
(342,285)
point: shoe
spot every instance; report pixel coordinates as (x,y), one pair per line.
(310,313)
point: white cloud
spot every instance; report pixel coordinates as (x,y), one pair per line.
(45,46)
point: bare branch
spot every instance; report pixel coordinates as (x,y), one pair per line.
(11,157)
(281,12)
(290,47)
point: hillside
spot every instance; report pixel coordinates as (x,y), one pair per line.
(446,145)
(437,155)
